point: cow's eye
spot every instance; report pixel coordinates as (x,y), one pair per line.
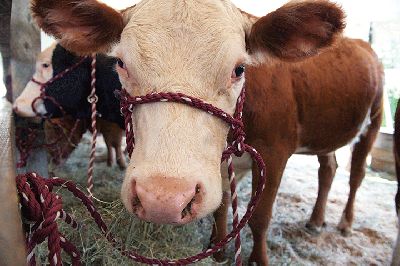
(238,72)
(121,63)
(45,65)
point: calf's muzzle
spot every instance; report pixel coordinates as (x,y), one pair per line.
(166,200)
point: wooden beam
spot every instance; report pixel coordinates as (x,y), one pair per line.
(5,17)
(25,45)
(12,245)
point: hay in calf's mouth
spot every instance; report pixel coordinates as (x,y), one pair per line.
(158,241)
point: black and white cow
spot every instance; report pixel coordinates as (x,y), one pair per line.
(71,92)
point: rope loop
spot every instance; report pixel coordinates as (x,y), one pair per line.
(237,147)
(92,99)
(36,186)
(24,142)
(42,208)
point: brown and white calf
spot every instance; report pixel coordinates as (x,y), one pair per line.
(199,47)
(313,107)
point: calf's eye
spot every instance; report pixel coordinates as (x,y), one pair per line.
(45,65)
(120,63)
(238,71)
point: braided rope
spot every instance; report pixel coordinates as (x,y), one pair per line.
(92,99)
(46,211)
(43,208)
(238,147)
(24,141)
(25,147)
(50,207)
(232,180)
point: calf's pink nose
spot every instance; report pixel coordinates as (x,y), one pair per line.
(166,200)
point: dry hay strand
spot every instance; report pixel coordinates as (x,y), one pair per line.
(155,241)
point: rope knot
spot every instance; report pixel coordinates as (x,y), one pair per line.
(239,137)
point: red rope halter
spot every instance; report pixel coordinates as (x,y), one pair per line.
(25,146)
(237,147)
(41,205)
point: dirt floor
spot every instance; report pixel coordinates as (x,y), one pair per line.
(370,243)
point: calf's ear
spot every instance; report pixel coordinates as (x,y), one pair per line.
(296,30)
(81,26)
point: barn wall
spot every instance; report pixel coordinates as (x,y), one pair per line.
(12,248)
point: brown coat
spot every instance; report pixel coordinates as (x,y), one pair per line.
(318,104)
(313,107)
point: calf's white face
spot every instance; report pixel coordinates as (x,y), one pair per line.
(43,73)
(176,143)
(197,47)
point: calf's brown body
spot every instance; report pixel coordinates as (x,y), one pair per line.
(313,107)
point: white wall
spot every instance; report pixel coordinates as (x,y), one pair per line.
(3,90)
(359,12)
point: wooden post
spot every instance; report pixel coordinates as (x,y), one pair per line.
(12,244)
(5,17)
(25,45)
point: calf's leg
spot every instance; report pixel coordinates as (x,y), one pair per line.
(326,172)
(275,160)
(110,154)
(357,171)
(219,230)
(119,153)
(396,251)
(112,134)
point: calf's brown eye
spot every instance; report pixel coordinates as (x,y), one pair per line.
(238,71)
(45,65)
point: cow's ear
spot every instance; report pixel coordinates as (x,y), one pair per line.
(296,30)
(83,27)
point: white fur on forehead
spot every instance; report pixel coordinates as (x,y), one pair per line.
(192,42)
(46,54)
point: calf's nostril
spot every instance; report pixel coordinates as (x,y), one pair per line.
(188,209)
(136,203)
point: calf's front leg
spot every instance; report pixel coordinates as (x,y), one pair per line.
(326,172)
(219,229)
(275,161)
